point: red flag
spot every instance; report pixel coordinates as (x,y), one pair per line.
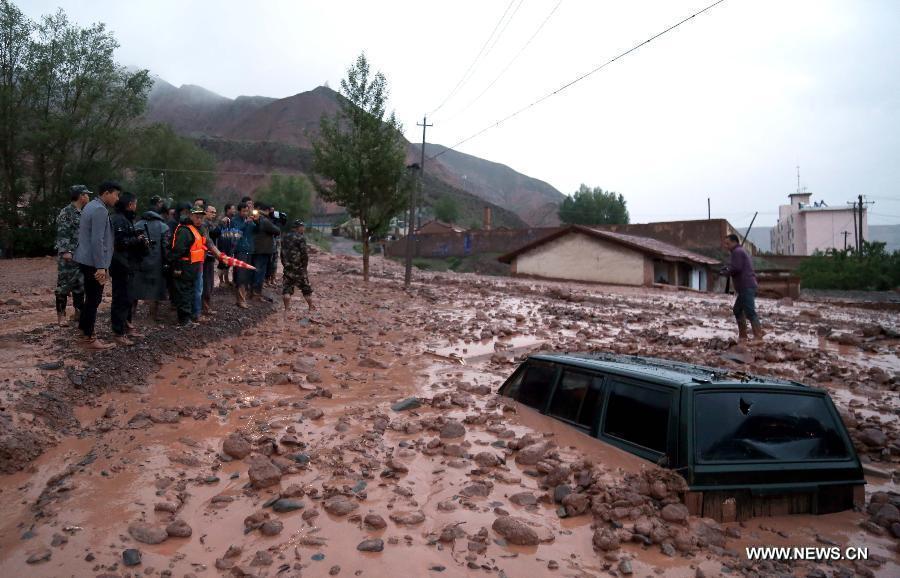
(232,262)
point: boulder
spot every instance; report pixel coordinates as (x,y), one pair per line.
(515,531)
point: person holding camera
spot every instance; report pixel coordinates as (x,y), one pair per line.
(129,248)
(264,245)
(150,276)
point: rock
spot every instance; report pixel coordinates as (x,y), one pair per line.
(452,429)
(372,545)
(533,453)
(51,365)
(886,515)
(374,521)
(179,529)
(406,404)
(262,558)
(397,466)
(271,528)
(408,518)
(263,473)
(286,505)
(339,505)
(131,557)
(313,413)
(40,556)
(254,521)
(334,570)
(560,493)
(515,531)
(487,459)
(576,504)
(147,534)
(873,437)
(523,499)
(625,567)
(605,540)
(477,489)
(675,513)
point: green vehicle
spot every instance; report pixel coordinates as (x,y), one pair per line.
(746,445)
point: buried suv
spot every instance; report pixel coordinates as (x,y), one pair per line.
(746,445)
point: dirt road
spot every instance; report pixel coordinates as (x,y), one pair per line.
(264,445)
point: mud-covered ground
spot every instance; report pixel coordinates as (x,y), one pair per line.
(263,445)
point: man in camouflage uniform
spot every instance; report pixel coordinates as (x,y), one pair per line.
(294,260)
(69,278)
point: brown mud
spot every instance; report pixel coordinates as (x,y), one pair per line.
(137,436)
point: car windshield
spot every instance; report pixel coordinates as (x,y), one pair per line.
(765,426)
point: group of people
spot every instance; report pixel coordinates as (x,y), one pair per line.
(169,254)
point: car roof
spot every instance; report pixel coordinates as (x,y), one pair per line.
(674,373)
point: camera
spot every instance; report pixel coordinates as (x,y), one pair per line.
(280,218)
(255,212)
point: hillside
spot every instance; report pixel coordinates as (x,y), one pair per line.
(259,135)
(526,196)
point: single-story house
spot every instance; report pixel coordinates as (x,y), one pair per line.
(578,253)
(437,227)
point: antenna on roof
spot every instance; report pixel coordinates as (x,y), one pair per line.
(798,179)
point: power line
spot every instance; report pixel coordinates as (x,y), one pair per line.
(579,79)
(510,63)
(205,171)
(465,76)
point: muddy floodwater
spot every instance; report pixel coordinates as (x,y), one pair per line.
(367,439)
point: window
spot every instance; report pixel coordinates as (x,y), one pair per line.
(533,385)
(638,415)
(765,426)
(576,398)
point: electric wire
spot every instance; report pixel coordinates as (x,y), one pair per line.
(466,75)
(510,63)
(578,79)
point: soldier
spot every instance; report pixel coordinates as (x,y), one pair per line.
(69,278)
(294,259)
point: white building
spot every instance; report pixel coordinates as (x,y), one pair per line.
(804,228)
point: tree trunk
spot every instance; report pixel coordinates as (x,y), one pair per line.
(365,257)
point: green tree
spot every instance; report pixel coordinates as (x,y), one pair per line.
(162,163)
(872,269)
(594,207)
(361,153)
(66,110)
(446,209)
(289,193)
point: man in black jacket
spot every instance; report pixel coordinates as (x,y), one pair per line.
(263,247)
(129,247)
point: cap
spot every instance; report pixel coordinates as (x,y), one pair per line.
(197,211)
(299,223)
(80,189)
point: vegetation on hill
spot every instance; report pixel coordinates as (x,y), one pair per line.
(165,164)
(289,193)
(594,206)
(873,269)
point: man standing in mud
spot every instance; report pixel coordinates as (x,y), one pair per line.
(295,259)
(188,253)
(94,255)
(69,278)
(740,269)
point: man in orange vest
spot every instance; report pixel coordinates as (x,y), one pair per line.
(188,252)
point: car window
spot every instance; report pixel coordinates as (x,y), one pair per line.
(535,385)
(638,414)
(576,397)
(765,426)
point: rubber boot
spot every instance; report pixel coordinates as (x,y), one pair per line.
(742,329)
(758,332)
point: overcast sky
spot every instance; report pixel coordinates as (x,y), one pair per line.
(725,106)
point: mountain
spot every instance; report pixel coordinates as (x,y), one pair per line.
(251,136)
(760,236)
(499,184)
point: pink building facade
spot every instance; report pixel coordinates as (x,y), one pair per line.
(804,228)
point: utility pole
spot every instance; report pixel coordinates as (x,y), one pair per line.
(845,234)
(862,208)
(708,209)
(411,222)
(855,228)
